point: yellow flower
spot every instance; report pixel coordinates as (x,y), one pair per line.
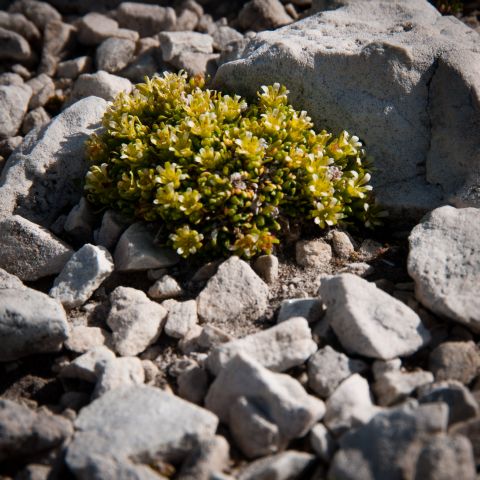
(190,201)
(273,96)
(185,241)
(170,173)
(250,146)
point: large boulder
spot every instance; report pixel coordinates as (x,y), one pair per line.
(399,75)
(41,178)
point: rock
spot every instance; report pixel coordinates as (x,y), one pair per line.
(182,317)
(163,427)
(380,449)
(393,384)
(370,322)
(435,55)
(165,287)
(267,267)
(40,13)
(94,28)
(57,37)
(281,399)
(186,21)
(82,275)
(322,442)
(83,338)
(146,19)
(10,78)
(14,47)
(461,403)
(30,322)
(193,384)
(328,368)
(309,308)
(135,320)
(35,119)
(231,293)
(342,245)
(258,15)
(142,65)
(25,433)
(212,336)
(89,365)
(29,251)
(175,43)
(195,63)
(349,406)
(101,84)
(35,472)
(224,35)
(78,223)
(136,250)
(7,280)
(112,227)
(278,348)
(118,372)
(73,68)
(455,361)
(360,269)
(43,89)
(18,23)
(444,261)
(446,457)
(313,253)
(13,106)
(189,343)
(211,456)
(471,430)
(283,466)
(8,145)
(21,70)
(113,54)
(54,158)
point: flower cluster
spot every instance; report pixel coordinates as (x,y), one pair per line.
(220,175)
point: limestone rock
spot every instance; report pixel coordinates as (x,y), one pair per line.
(14,47)
(40,13)
(313,253)
(118,372)
(267,267)
(258,15)
(7,280)
(89,365)
(165,287)
(309,308)
(13,106)
(57,37)
(322,442)
(18,23)
(83,338)
(35,119)
(43,89)
(113,54)
(73,68)
(174,43)
(182,317)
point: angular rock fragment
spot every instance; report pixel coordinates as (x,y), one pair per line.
(35,119)
(43,89)
(182,317)
(18,23)
(73,68)
(258,15)
(57,37)
(14,47)
(100,84)
(83,338)
(89,365)
(40,13)
(114,54)
(322,442)
(175,43)
(309,308)
(267,267)
(13,106)
(165,287)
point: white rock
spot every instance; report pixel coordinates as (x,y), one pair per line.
(7,280)
(182,317)
(361,269)
(94,28)
(135,320)
(73,68)
(14,101)
(342,245)
(175,43)
(82,275)
(165,287)
(79,222)
(35,119)
(322,442)
(278,348)
(88,366)
(14,47)
(258,15)
(83,338)
(309,308)
(368,321)
(313,253)
(193,384)
(444,261)
(111,228)
(267,267)
(212,336)
(43,89)
(114,54)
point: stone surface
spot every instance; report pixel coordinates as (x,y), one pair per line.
(136,250)
(13,106)
(24,432)
(14,47)
(455,361)
(30,251)
(113,54)
(212,336)
(10,78)
(313,253)
(146,19)
(342,244)
(381,448)
(35,119)
(403,64)
(370,322)
(444,261)
(18,23)
(471,430)
(135,320)
(7,280)
(267,267)
(83,338)
(175,43)
(94,28)
(182,317)
(278,348)
(82,275)
(327,368)
(309,308)
(165,287)
(193,384)
(232,292)
(223,35)
(54,160)
(40,13)
(79,221)
(258,15)
(57,38)
(43,90)
(164,427)
(73,68)
(8,145)
(322,442)
(195,63)
(89,365)
(111,228)
(30,322)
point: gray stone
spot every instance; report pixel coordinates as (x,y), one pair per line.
(231,293)
(182,317)
(313,253)
(258,15)
(163,426)
(18,23)
(309,308)
(21,70)
(342,245)
(455,361)
(322,442)
(287,465)
(195,63)
(82,275)
(212,336)
(35,472)
(435,55)
(118,372)
(327,368)
(43,89)
(136,250)
(135,320)
(30,322)
(360,269)
(89,365)
(83,338)
(13,106)
(187,20)
(446,458)
(14,47)
(281,398)
(54,160)
(267,267)
(224,35)
(385,446)
(57,38)
(94,28)
(370,322)
(350,405)
(278,348)
(114,54)
(165,287)
(143,65)
(7,280)
(175,43)
(471,430)
(73,68)
(78,223)
(100,84)
(461,403)
(29,251)
(25,432)
(8,145)
(35,119)
(111,228)
(146,19)
(40,13)
(10,78)
(444,261)
(193,384)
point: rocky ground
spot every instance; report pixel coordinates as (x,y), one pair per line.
(346,355)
